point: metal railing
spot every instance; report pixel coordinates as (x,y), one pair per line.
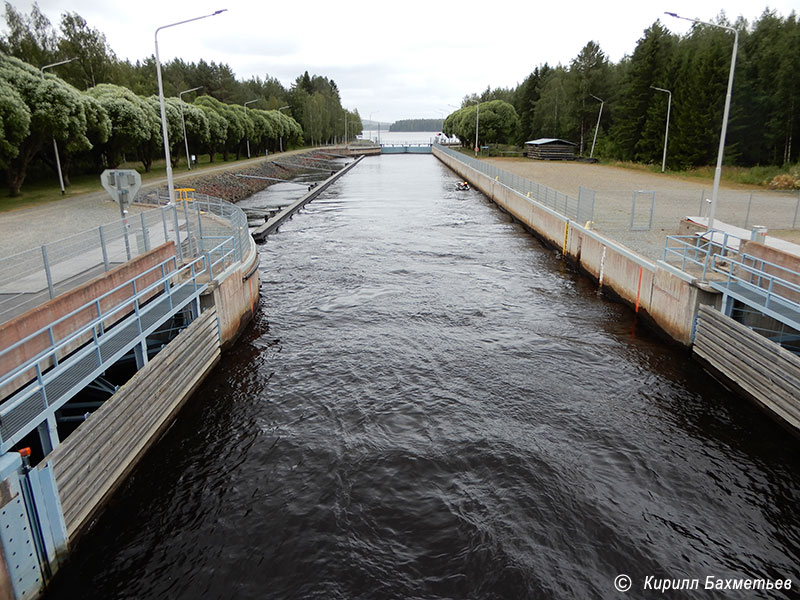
(580,209)
(769,280)
(30,278)
(60,370)
(698,249)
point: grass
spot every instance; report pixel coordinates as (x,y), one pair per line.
(757,176)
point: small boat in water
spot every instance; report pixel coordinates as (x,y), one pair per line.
(462,186)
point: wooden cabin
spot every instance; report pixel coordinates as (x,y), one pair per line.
(550,149)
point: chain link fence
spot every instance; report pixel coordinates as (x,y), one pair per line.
(645,210)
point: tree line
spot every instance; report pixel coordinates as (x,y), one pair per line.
(564,101)
(102,111)
(417,125)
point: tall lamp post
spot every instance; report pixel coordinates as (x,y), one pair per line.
(477,120)
(726,112)
(183,122)
(245,117)
(666,130)
(55,144)
(597,127)
(281,138)
(370,117)
(162,103)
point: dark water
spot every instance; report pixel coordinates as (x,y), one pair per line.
(431,405)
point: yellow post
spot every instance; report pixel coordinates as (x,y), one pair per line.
(566,234)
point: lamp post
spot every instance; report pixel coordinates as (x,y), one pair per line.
(477,117)
(666,131)
(55,144)
(162,103)
(183,122)
(726,112)
(281,138)
(375,112)
(597,127)
(245,117)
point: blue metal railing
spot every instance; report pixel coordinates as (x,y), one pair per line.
(60,370)
(698,249)
(770,280)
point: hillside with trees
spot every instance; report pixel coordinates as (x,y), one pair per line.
(561,101)
(103,111)
(417,125)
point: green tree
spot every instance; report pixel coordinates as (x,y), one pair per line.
(640,114)
(29,38)
(131,121)
(56,112)
(217,130)
(588,77)
(551,112)
(94,58)
(15,121)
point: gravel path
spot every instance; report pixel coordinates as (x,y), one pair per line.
(675,198)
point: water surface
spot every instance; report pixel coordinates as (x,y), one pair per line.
(432,405)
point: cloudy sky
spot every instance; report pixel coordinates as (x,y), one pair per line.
(391,60)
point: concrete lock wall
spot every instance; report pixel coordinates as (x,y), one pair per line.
(235,296)
(666,295)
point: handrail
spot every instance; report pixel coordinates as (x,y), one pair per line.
(701,244)
(96,301)
(771,279)
(123,304)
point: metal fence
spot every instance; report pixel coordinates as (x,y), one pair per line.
(59,372)
(580,209)
(663,209)
(197,226)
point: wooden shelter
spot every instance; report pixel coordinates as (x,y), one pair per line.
(550,149)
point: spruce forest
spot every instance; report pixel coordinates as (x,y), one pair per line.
(562,101)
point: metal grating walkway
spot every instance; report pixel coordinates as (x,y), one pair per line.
(28,407)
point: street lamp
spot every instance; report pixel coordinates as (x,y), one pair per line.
(162,103)
(245,118)
(597,127)
(375,112)
(666,131)
(55,144)
(183,122)
(477,117)
(718,170)
(279,110)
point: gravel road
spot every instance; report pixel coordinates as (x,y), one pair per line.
(675,198)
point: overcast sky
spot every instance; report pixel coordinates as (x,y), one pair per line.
(391,60)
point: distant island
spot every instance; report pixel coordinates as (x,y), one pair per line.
(417,125)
